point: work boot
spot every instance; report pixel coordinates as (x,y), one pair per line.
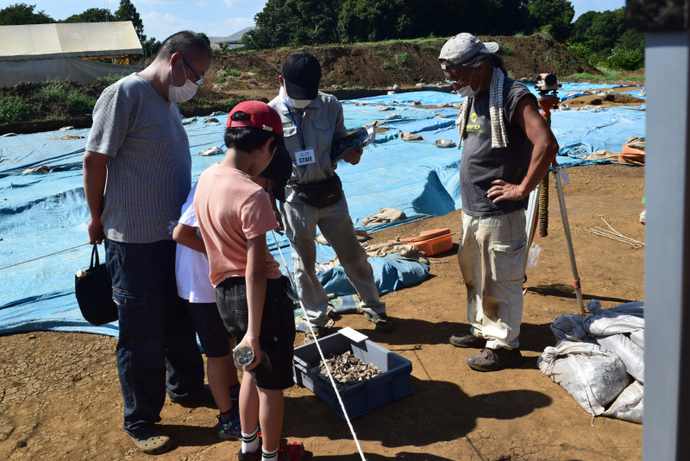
(494,359)
(467,340)
(381,322)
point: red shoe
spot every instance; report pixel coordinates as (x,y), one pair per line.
(291,452)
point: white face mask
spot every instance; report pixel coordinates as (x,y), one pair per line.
(467,91)
(181,93)
(295,103)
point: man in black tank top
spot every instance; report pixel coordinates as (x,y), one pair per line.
(508,148)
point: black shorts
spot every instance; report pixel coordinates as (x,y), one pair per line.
(277,333)
(214,338)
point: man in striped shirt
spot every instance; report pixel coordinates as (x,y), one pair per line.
(139,144)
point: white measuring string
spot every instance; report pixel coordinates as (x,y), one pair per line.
(323,359)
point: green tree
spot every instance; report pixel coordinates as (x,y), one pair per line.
(276,25)
(602,39)
(606,28)
(205,38)
(552,15)
(304,22)
(127,12)
(631,40)
(92,15)
(497,17)
(319,19)
(21,13)
(151,46)
(302,38)
(373,20)
(583,23)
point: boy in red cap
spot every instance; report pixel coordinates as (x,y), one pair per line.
(234,215)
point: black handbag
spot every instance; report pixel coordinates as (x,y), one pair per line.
(320,194)
(94,291)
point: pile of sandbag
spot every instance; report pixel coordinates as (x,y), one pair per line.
(633,151)
(599,359)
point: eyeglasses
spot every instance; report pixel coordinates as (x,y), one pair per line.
(201,79)
(460,80)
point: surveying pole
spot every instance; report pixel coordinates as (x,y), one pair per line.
(547,86)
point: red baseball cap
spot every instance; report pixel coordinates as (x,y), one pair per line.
(262,116)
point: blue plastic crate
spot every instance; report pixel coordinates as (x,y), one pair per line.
(392,384)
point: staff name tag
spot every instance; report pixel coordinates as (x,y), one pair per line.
(305,157)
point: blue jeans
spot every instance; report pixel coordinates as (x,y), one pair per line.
(156,331)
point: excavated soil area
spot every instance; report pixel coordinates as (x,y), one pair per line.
(380,65)
(60,396)
(240,75)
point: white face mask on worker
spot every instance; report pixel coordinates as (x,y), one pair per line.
(296,103)
(181,93)
(467,91)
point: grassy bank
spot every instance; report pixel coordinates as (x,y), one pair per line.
(610,76)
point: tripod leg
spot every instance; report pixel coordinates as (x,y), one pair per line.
(569,240)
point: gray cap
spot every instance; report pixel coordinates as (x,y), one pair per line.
(463,47)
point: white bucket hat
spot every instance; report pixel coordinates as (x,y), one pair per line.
(463,47)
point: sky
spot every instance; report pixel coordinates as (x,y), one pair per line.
(216,18)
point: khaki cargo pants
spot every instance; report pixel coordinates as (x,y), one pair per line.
(492,260)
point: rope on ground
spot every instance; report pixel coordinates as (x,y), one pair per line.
(613,234)
(44,256)
(330,376)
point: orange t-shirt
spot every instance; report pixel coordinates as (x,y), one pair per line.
(231,209)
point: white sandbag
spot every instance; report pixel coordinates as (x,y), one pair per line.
(627,318)
(593,375)
(629,405)
(630,353)
(613,321)
(610,325)
(637,337)
(386,215)
(569,326)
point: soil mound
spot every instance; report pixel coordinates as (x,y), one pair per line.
(240,75)
(383,64)
(609,100)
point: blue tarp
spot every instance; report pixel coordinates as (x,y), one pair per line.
(44,213)
(390,273)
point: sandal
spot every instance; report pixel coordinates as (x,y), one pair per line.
(152,441)
(319,332)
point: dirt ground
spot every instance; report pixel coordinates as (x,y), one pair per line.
(612,99)
(388,63)
(60,397)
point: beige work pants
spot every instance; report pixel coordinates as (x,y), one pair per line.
(492,260)
(336,225)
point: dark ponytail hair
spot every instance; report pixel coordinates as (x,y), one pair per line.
(491,59)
